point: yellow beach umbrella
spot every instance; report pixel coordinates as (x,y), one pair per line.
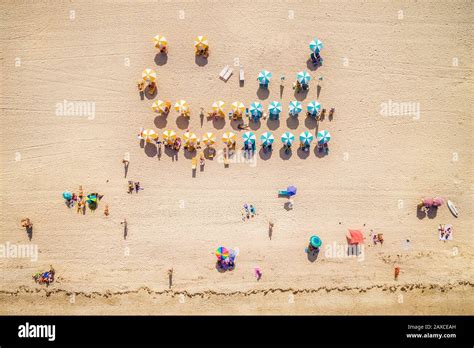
(218,107)
(158,106)
(160,41)
(149,75)
(201,43)
(181,106)
(208,138)
(189,138)
(228,138)
(169,136)
(238,108)
(149,135)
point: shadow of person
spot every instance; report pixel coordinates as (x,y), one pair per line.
(292,122)
(285,154)
(288,206)
(270,231)
(420,213)
(263,93)
(161,121)
(142,95)
(302,153)
(142,143)
(281,90)
(310,122)
(218,122)
(170,279)
(150,150)
(318,91)
(265,154)
(149,95)
(29,232)
(200,60)
(182,122)
(125,167)
(273,123)
(301,95)
(161,58)
(313,254)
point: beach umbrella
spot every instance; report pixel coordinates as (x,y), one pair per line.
(91,198)
(249,138)
(160,41)
(287,138)
(181,106)
(264,77)
(238,107)
(189,138)
(67,195)
(303,77)
(291,190)
(201,43)
(208,138)
(169,136)
(355,237)
(306,138)
(149,135)
(218,107)
(228,138)
(314,107)
(267,138)
(222,253)
(316,45)
(159,106)
(149,75)
(315,241)
(274,108)
(295,108)
(323,137)
(256,109)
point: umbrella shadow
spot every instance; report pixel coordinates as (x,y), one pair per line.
(149,95)
(302,153)
(313,254)
(151,150)
(432,212)
(319,153)
(310,122)
(292,122)
(169,151)
(200,60)
(301,95)
(265,154)
(420,213)
(220,268)
(273,123)
(182,122)
(189,154)
(161,121)
(263,93)
(285,154)
(161,58)
(311,66)
(218,122)
(255,125)
(235,123)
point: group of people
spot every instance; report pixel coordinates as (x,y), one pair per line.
(44,277)
(248,211)
(81,200)
(134,186)
(141,85)
(427,204)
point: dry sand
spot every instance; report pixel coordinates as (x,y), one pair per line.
(377,169)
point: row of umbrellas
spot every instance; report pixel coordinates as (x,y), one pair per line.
(265,76)
(200,42)
(256,108)
(229,138)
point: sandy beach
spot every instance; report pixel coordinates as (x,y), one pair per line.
(383,158)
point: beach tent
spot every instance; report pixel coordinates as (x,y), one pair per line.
(201,43)
(323,137)
(314,107)
(249,138)
(222,253)
(303,77)
(228,138)
(295,108)
(264,77)
(149,135)
(267,138)
(218,106)
(208,138)
(160,41)
(149,75)
(315,46)
(238,108)
(287,138)
(274,108)
(355,237)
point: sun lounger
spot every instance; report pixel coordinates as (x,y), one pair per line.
(241,75)
(223,72)
(194,163)
(283,193)
(227,74)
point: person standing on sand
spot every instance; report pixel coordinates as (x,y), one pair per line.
(397,272)
(106,210)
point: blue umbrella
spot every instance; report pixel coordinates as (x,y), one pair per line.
(315,46)
(274,108)
(291,190)
(267,138)
(315,241)
(306,138)
(264,77)
(67,195)
(287,138)
(295,108)
(314,107)
(323,137)
(256,109)
(303,77)
(249,138)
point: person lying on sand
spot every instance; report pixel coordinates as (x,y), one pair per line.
(242,126)
(141,85)
(26,222)
(106,210)
(138,187)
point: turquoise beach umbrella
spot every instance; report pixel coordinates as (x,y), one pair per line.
(295,108)
(303,77)
(267,138)
(287,138)
(314,107)
(315,241)
(316,45)
(274,108)
(256,109)
(264,77)
(249,138)
(323,137)
(67,195)
(306,138)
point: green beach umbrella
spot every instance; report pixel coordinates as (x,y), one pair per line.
(306,138)
(287,138)
(267,138)
(91,198)
(303,77)
(264,77)
(249,138)
(323,137)
(315,241)
(256,109)
(316,45)
(314,107)
(295,108)
(274,108)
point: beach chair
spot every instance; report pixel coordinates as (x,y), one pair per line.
(283,193)
(241,75)
(223,72)
(194,163)
(228,74)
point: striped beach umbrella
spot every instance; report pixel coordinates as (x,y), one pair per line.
(264,77)
(303,77)
(222,253)
(189,138)
(160,41)
(181,106)
(149,75)
(267,138)
(238,107)
(256,109)
(149,135)
(323,137)
(249,138)
(315,241)
(158,106)
(169,136)
(306,138)
(314,107)
(201,43)
(274,108)
(287,138)
(228,138)
(295,108)
(316,45)
(218,106)
(208,138)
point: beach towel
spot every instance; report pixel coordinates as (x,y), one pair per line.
(445,232)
